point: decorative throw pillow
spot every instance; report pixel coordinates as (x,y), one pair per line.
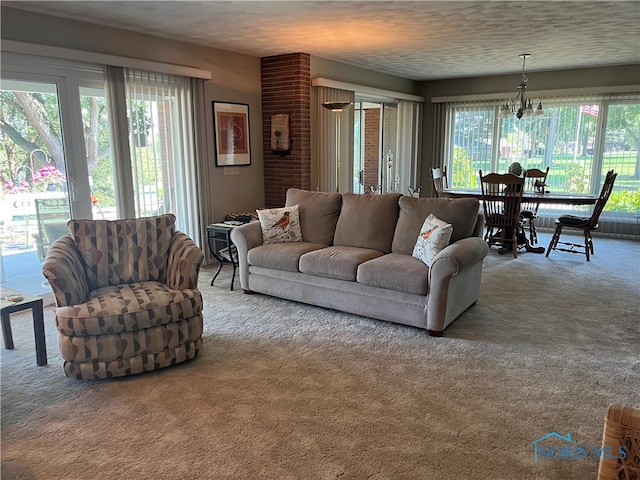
(280,225)
(434,237)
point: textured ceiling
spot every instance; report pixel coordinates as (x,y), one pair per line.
(420,40)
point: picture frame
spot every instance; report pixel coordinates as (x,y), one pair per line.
(231,131)
(281,141)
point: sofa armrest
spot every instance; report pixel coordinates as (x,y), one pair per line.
(64,270)
(459,255)
(246,237)
(462,259)
(183,266)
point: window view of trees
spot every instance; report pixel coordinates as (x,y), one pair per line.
(33,157)
(566,139)
(33,164)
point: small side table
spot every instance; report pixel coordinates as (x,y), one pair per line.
(222,248)
(37,309)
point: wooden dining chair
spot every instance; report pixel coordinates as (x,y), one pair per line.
(501,200)
(536,182)
(621,433)
(586,224)
(439,178)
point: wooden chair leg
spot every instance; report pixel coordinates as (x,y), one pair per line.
(488,233)
(514,242)
(554,240)
(533,233)
(588,245)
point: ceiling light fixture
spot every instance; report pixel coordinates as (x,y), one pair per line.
(521,106)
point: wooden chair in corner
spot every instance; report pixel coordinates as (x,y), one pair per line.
(439,178)
(536,182)
(501,200)
(621,434)
(586,224)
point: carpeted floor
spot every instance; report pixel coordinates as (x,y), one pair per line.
(288,391)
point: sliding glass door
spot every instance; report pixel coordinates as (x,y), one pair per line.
(46,177)
(60,133)
(375,169)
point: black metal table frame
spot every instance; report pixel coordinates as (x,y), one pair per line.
(218,234)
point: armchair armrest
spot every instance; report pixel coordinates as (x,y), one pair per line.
(183,266)
(64,270)
(245,238)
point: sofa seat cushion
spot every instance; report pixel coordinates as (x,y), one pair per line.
(281,256)
(461,213)
(130,307)
(336,262)
(395,271)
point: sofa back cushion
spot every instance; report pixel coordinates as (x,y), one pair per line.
(116,252)
(318,213)
(461,213)
(368,221)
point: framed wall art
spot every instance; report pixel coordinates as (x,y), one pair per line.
(231,129)
(280,140)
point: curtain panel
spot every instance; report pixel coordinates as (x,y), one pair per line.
(335,134)
(409,143)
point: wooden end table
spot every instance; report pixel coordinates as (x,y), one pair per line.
(37,308)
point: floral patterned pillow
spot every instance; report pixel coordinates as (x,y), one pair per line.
(280,224)
(434,237)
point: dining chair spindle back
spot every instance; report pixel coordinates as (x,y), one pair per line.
(501,201)
(586,224)
(439,178)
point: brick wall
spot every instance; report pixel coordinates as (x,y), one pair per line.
(286,88)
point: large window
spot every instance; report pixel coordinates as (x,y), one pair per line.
(66,153)
(579,138)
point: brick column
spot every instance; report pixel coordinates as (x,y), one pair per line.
(286,88)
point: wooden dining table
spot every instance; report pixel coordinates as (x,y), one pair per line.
(551,198)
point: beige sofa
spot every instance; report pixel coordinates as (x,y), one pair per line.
(356,256)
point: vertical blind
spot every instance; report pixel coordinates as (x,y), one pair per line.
(156,170)
(579,138)
(408,145)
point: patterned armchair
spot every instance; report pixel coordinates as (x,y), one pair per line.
(127,296)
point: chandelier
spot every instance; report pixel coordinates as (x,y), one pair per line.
(521,106)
